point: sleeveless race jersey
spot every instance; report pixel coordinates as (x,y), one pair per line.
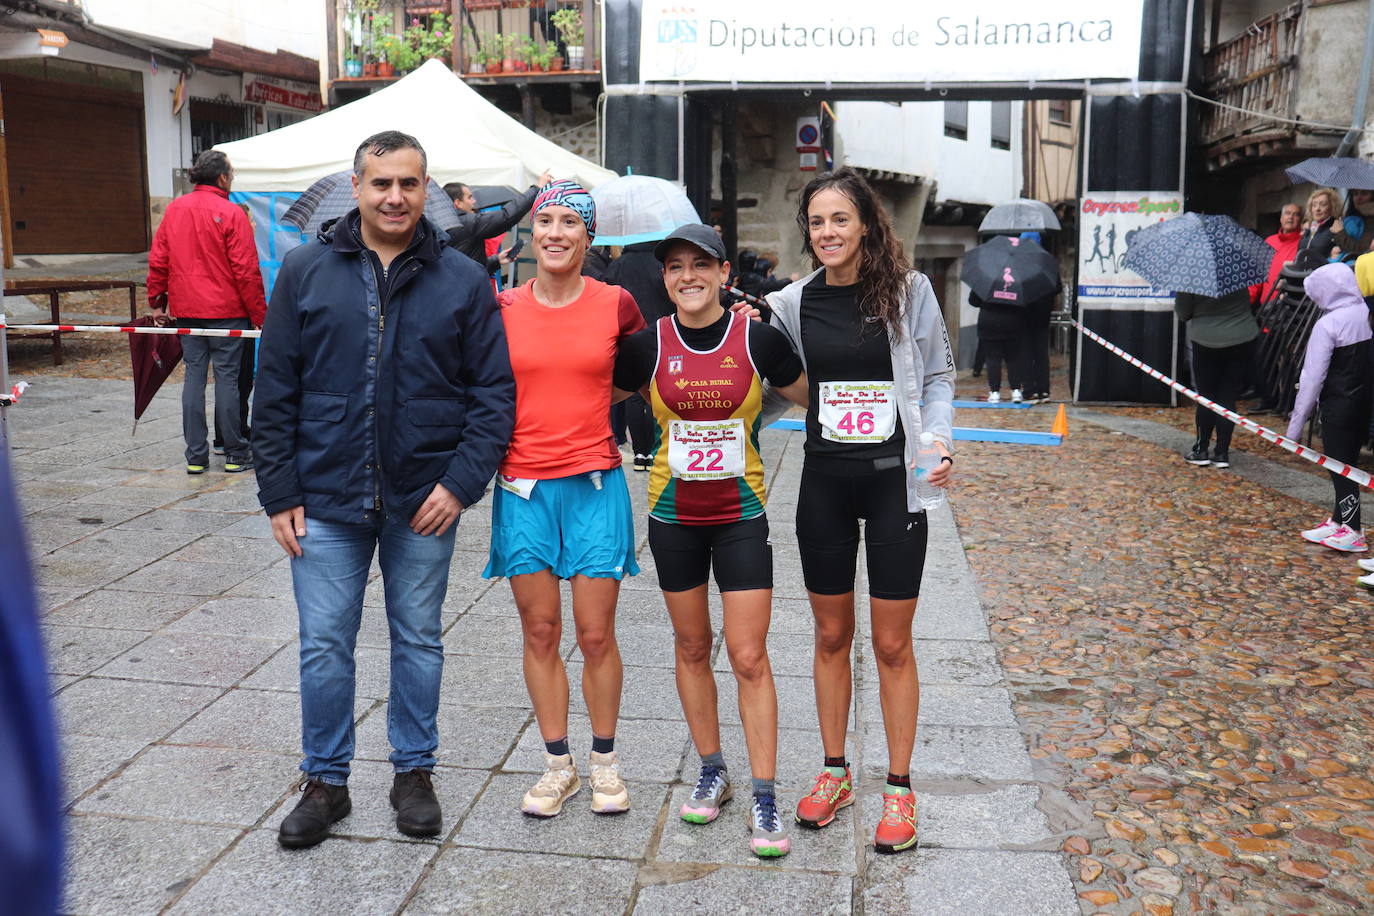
(706,466)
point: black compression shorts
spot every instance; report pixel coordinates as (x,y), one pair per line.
(829,507)
(739,551)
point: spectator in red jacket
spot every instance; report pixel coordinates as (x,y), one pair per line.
(204,269)
(1285,245)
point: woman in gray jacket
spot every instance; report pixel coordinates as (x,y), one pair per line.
(880,372)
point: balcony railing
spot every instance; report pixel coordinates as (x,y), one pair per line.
(378,40)
(1256,71)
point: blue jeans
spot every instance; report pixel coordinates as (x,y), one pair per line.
(329,579)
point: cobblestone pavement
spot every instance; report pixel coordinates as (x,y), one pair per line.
(172,635)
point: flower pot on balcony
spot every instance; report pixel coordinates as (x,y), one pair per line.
(370,68)
(575,58)
(353,68)
(556,64)
(385,68)
(493,67)
(508,65)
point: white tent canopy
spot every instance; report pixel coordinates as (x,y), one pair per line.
(465,137)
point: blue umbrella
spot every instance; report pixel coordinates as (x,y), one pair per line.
(1199,253)
(1334,172)
(332,197)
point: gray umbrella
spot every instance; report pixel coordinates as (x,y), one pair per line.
(332,197)
(1334,172)
(1020,215)
(1199,253)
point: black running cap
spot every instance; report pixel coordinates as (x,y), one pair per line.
(704,237)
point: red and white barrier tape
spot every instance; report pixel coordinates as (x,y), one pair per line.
(1323,461)
(130,329)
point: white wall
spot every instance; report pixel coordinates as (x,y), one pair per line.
(910,138)
(297,26)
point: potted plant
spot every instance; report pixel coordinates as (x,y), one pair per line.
(524,53)
(508,53)
(389,50)
(568,21)
(370,65)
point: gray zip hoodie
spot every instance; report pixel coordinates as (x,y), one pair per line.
(922,363)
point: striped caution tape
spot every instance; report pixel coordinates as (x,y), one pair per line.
(1323,461)
(131,329)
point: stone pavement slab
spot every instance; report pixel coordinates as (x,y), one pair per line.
(171,619)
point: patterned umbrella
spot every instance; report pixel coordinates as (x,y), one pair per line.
(1010,272)
(1199,253)
(332,197)
(1020,215)
(1334,172)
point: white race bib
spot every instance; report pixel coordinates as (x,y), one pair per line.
(520,486)
(857,411)
(706,449)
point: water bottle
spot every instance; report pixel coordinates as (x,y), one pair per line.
(928,457)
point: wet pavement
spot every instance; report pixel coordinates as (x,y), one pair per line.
(1142,693)
(171,629)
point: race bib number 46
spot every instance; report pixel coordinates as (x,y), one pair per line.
(857,411)
(706,449)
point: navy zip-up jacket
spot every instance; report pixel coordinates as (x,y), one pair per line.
(375,385)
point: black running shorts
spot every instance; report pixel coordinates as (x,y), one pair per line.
(739,552)
(829,507)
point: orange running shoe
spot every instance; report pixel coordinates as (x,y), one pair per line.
(897,827)
(827,796)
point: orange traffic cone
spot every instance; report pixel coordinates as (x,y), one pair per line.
(1060,427)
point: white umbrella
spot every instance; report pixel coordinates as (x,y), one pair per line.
(1020,215)
(639,208)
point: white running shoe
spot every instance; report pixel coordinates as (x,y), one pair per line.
(1016,395)
(1366,565)
(1366,581)
(1347,540)
(609,793)
(994,397)
(1321,532)
(558,784)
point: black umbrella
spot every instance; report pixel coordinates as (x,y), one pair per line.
(1335,172)
(154,357)
(332,197)
(1008,271)
(1201,253)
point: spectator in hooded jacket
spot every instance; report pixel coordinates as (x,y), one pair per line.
(204,269)
(1335,379)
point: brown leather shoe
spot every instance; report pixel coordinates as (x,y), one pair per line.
(417,807)
(321,805)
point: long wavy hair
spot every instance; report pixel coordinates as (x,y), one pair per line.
(883,266)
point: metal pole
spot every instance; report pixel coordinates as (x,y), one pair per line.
(4,381)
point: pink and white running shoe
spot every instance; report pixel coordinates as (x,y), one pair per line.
(1321,532)
(1346,539)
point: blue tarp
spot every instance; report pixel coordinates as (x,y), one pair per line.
(274,238)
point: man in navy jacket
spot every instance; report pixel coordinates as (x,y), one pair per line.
(384,404)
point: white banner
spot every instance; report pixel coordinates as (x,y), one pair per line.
(1106,222)
(878,41)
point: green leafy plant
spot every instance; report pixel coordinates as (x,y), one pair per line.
(568,21)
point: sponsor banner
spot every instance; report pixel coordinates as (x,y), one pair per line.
(1106,222)
(879,41)
(264,90)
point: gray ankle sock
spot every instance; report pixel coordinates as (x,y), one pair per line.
(763,786)
(713,760)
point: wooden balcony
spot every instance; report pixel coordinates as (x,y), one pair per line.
(1281,85)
